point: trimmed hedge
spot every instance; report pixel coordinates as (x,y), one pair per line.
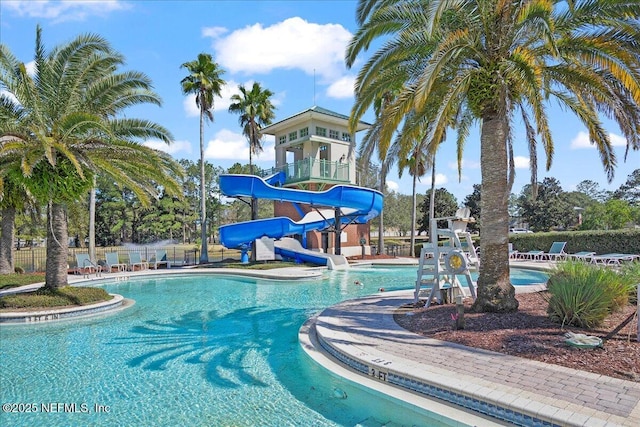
(601,242)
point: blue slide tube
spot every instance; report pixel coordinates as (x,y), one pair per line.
(365,204)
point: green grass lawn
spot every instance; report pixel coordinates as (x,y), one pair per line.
(14,280)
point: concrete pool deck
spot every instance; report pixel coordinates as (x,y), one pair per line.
(362,335)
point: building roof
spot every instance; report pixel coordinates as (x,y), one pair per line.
(308,114)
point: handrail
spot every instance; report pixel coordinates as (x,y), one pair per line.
(311,168)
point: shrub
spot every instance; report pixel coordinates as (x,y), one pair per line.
(599,241)
(65,296)
(632,272)
(584,295)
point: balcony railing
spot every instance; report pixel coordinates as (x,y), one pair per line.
(311,170)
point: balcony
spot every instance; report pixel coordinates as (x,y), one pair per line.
(312,170)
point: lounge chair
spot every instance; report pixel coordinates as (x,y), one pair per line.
(532,255)
(161,258)
(582,255)
(84,265)
(135,259)
(556,252)
(113,261)
(613,258)
(513,254)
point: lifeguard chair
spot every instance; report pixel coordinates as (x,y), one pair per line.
(446,259)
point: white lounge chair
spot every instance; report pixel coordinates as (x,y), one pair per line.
(84,265)
(135,259)
(582,255)
(161,258)
(556,252)
(113,261)
(534,255)
(613,258)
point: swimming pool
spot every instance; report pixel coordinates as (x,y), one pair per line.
(196,350)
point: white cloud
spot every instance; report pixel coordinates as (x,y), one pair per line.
(581,140)
(231,88)
(31,68)
(617,140)
(190,107)
(268,150)
(291,44)
(441,179)
(220,103)
(466,164)
(229,145)
(342,88)
(213,32)
(173,148)
(61,11)
(521,162)
(393,186)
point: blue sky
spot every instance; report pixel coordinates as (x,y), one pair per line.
(295,49)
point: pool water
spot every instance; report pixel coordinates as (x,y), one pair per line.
(196,350)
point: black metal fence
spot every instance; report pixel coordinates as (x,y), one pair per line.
(34,259)
(394,250)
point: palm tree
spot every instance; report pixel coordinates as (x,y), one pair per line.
(495,59)
(371,142)
(255,111)
(205,81)
(68,131)
(12,198)
(417,163)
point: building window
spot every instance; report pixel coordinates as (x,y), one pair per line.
(282,139)
(321,131)
(334,134)
(346,136)
(293,135)
(304,132)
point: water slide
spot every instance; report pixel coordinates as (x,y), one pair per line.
(356,204)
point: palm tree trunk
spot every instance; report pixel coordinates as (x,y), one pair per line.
(57,246)
(6,240)
(252,205)
(204,250)
(412,240)
(250,160)
(383,180)
(495,292)
(432,200)
(92,224)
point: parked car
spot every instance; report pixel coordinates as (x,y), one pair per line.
(519,230)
